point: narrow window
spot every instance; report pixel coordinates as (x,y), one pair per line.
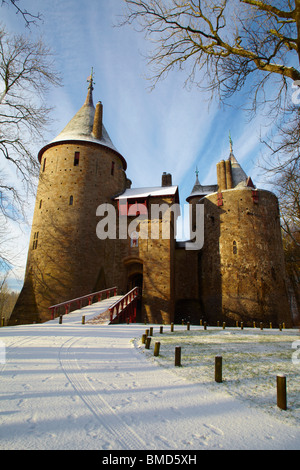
(35,241)
(40,204)
(71,201)
(234,248)
(112,171)
(76,158)
(44,164)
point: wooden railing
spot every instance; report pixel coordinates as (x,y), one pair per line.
(124,309)
(80,301)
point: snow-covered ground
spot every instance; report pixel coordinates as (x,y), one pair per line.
(92,386)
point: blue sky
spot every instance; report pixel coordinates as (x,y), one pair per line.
(169,129)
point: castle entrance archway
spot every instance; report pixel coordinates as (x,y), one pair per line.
(135,279)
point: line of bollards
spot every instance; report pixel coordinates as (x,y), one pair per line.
(280,379)
(281,326)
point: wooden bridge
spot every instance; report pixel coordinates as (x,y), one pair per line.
(121,309)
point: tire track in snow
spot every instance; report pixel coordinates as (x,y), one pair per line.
(98,406)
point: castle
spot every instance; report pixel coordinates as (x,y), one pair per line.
(237,274)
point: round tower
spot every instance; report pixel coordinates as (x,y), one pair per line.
(80,169)
(242,261)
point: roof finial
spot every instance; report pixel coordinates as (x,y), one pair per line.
(89,98)
(197,173)
(231,144)
(91,79)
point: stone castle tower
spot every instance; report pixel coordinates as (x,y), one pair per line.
(242,262)
(238,274)
(80,169)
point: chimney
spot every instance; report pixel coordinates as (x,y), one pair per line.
(97,127)
(221,173)
(228,174)
(166,179)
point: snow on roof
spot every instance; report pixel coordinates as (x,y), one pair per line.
(148,192)
(80,129)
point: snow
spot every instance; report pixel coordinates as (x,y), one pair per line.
(148,192)
(95,386)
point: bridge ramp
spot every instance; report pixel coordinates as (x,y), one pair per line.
(96,313)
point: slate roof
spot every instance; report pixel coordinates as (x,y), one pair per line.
(201,191)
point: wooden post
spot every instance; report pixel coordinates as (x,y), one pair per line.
(178,356)
(147,332)
(60,319)
(224,324)
(144,338)
(188,325)
(205,325)
(254,325)
(261,326)
(172,327)
(201,322)
(281,391)
(148,341)
(271,326)
(156,348)
(242,325)
(218,369)
(283,326)
(161,330)
(83,320)
(151,331)
(280,327)
(218,323)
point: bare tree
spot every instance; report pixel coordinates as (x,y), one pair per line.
(288,191)
(228,40)
(8,300)
(26,72)
(28,17)
(225,46)
(229,45)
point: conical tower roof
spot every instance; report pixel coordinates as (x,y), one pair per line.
(80,128)
(199,190)
(238,174)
